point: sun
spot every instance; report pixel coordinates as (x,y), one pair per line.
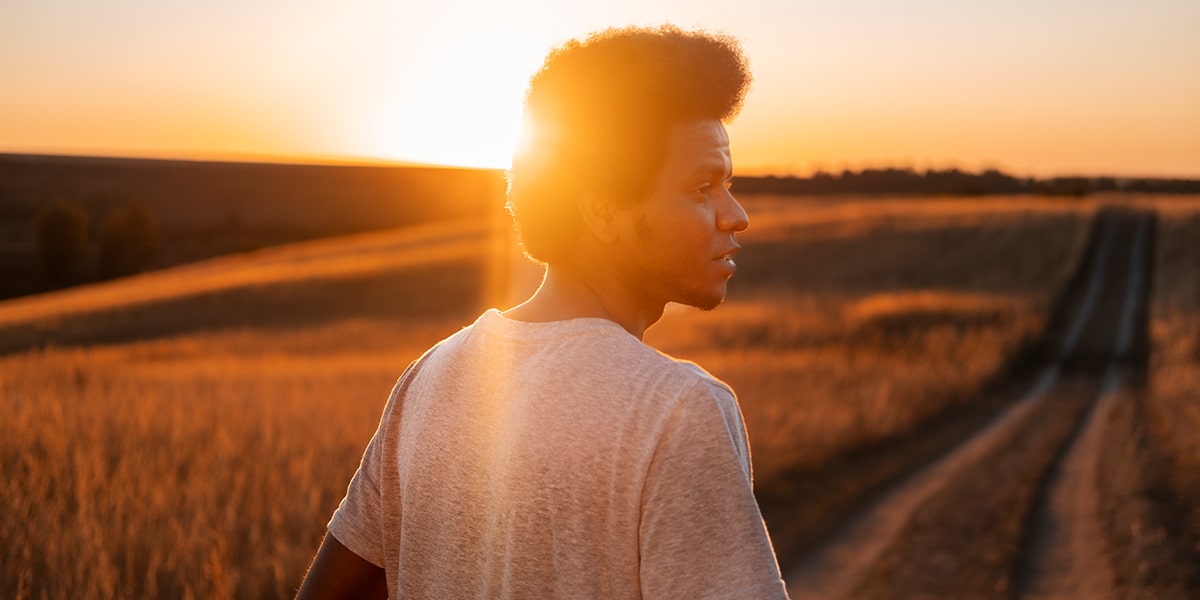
(459,109)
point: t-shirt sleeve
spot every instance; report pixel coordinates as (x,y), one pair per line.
(358,521)
(701,534)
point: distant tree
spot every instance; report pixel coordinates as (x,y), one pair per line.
(1065,186)
(130,240)
(1105,184)
(61,233)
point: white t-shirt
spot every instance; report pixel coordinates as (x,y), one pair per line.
(558,460)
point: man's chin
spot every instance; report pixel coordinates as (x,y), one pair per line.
(703,301)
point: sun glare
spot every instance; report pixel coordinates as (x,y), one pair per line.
(460,110)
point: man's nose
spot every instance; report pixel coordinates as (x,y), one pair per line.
(731,216)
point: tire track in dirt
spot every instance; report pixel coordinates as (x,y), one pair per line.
(1083,332)
(1065,555)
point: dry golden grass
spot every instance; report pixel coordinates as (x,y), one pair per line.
(288,287)
(203,466)
(855,322)
(1172,413)
(1175,334)
(199,448)
(1149,482)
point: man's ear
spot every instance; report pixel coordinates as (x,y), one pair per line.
(601,217)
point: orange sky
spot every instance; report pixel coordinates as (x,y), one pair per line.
(1031,87)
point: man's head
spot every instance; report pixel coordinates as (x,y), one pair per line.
(600,116)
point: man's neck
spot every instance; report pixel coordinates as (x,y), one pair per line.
(568,293)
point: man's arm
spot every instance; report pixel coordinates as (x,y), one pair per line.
(337,572)
(701,533)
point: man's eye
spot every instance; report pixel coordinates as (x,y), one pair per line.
(704,189)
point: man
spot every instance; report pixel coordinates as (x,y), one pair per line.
(546,452)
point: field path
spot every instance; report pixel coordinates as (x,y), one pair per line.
(1039,457)
(1066,556)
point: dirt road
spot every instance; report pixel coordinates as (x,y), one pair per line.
(1013,510)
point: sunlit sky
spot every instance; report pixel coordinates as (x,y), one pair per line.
(1045,87)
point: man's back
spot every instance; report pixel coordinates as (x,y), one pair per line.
(558,459)
(546,452)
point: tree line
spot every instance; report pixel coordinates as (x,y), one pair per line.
(126,241)
(955,182)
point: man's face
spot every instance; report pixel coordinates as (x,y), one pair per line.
(683,231)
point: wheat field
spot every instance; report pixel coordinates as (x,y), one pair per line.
(1172,403)
(188,433)
(883,313)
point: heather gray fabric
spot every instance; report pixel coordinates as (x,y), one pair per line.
(558,460)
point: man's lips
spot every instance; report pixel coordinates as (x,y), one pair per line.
(726,257)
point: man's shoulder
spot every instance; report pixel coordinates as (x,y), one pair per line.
(697,372)
(682,375)
(591,345)
(677,376)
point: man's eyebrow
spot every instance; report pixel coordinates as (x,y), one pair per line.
(712,169)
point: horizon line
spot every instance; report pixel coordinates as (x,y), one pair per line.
(315,159)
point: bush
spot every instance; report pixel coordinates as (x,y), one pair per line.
(61,231)
(129,241)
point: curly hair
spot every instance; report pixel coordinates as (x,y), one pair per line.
(598,115)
